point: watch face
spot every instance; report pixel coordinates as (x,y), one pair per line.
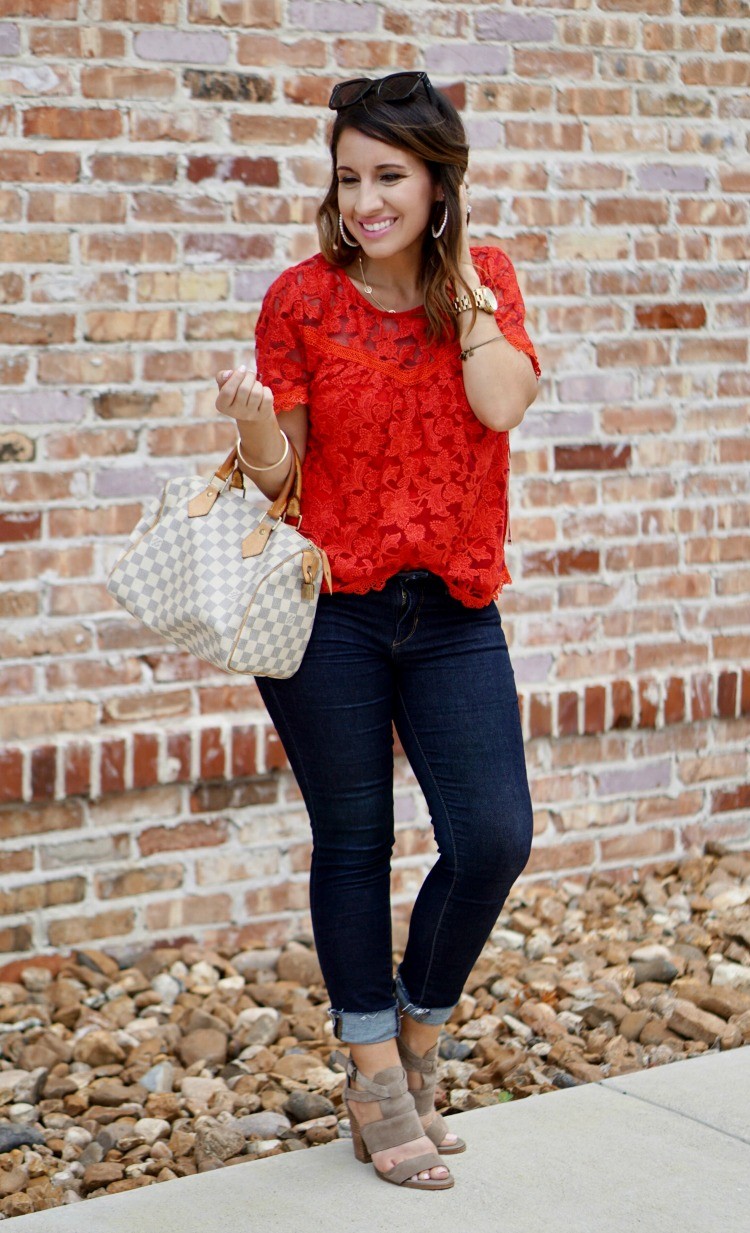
(490,299)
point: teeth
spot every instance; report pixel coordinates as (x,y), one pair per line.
(377,226)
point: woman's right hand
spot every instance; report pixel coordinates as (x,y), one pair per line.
(242,397)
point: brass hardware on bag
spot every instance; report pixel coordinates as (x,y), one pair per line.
(309,570)
(254,543)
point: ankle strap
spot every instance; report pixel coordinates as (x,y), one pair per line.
(370,1089)
(425,1065)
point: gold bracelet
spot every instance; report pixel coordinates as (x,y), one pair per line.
(470,350)
(250,466)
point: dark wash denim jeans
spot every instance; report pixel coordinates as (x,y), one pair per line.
(414,656)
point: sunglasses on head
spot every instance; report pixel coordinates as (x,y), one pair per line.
(395,88)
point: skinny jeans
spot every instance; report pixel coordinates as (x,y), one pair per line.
(413,657)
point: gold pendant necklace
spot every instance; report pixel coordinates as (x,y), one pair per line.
(370,291)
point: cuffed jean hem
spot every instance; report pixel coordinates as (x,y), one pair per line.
(422,1014)
(370,1028)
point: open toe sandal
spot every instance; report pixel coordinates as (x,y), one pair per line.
(399,1124)
(424,1097)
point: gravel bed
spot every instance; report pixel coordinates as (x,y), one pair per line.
(124,1072)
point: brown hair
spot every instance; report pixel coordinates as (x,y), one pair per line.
(432,130)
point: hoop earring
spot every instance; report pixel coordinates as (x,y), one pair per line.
(351,243)
(437,234)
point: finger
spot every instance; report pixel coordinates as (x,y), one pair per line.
(222,376)
(230,387)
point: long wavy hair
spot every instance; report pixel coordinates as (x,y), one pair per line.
(435,133)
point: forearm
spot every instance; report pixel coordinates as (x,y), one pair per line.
(262,444)
(498,378)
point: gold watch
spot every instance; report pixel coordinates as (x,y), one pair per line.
(484,298)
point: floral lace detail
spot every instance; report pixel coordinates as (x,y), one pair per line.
(398,473)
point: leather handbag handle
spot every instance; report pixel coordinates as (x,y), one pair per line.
(287,502)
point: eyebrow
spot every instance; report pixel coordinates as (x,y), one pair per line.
(379,167)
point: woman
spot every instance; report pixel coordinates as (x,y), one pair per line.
(396,361)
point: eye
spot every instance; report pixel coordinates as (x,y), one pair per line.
(391,176)
(347,180)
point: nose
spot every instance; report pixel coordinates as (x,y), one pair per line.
(369,199)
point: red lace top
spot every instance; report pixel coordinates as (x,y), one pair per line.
(398,473)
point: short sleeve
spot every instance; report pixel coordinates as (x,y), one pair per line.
(280,357)
(496,269)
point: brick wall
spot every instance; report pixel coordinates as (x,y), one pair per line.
(160,162)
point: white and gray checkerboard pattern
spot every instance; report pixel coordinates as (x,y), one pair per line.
(185,579)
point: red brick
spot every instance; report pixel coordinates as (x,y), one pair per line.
(648,705)
(263,171)
(745,699)
(670,316)
(622,704)
(213,754)
(540,716)
(725,801)
(72,123)
(43,771)
(112,769)
(16,938)
(77,770)
(591,457)
(595,701)
(56,166)
(75,929)
(674,701)
(145,760)
(276,758)
(567,713)
(184,835)
(700,697)
(15,527)
(16,822)
(727,695)
(178,757)
(244,758)
(11,775)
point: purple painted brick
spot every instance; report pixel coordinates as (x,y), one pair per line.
(533,668)
(143,481)
(596,387)
(484,134)
(515,28)
(463,58)
(557,424)
(338,16)
(666,175)
(636,779)
(252,285)
(10,40)
(41,406)
(206,47)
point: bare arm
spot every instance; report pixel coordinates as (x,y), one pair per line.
(243,398)
(499,380)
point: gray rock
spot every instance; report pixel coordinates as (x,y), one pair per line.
(160,1078)
(267,1124)
(659,969)
(453,1050)
(304,1106)
(168,988)
(16,1136)
(251,961)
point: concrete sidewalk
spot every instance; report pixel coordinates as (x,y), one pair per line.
(657,1151)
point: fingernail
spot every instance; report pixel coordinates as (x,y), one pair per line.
(242,368)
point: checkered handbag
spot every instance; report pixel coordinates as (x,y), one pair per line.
(203,572)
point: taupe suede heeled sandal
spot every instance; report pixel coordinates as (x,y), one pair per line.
(399,1124)
(424,1097)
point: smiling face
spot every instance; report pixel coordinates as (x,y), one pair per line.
(385,194)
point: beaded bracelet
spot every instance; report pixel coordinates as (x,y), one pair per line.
(273,465)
